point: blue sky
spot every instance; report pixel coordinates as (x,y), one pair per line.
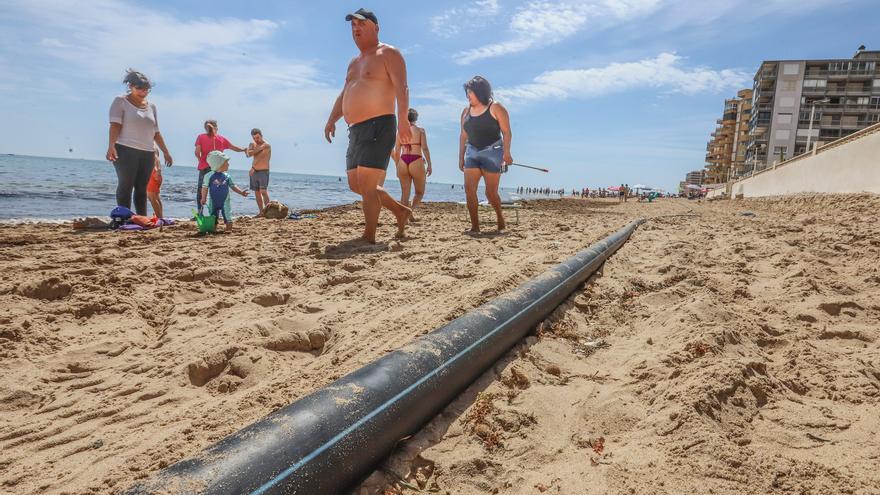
(599,91)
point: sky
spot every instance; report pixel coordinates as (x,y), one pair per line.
(601,92)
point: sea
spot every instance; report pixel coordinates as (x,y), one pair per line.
(41,189)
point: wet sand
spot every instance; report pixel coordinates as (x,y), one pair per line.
(709,350)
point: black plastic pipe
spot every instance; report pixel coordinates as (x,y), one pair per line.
(331,439)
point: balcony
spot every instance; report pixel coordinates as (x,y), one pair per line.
(851,74)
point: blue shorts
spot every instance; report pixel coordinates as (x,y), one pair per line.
(488,159)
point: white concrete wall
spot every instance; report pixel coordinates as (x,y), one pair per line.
(852,167)
(716,193)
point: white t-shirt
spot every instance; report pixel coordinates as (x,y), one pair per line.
(139,125)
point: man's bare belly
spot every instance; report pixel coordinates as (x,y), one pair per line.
(366,99)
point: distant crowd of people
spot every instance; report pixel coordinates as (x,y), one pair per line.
(621,192)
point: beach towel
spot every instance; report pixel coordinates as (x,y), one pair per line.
(299,216)
(139,222)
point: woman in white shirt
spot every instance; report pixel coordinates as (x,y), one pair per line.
(134,127)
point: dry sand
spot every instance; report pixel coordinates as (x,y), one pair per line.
(718,353)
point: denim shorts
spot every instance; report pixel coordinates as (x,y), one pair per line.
(487,159)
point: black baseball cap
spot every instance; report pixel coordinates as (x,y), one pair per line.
(363,14)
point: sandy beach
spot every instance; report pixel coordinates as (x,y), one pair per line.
(728,347)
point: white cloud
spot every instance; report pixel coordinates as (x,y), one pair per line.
(52,43)
(666,71)
(453,21)
(542,22)
(105,36)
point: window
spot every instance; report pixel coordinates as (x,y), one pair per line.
(804,116)
(783,118)
(829,133)
(791,69)
(818,83)
(780,150)
(789,85)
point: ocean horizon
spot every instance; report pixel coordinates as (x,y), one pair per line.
(46,189)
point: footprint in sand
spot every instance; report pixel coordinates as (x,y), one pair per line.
(303,334)
(834,308)
(49,289)
(224,371)
(271,299)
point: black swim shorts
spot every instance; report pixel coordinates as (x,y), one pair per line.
(370,143)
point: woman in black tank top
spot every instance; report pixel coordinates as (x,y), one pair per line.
(484,148)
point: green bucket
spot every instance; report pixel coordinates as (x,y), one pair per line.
(206,223)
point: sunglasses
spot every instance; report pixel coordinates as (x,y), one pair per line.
(142,88)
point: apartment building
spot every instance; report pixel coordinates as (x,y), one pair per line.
(695,178)
(842,95)
(726,151)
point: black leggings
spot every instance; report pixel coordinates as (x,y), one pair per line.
(133,169)
(202,174)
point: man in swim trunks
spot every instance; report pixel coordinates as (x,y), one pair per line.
(375,79)
(260,150)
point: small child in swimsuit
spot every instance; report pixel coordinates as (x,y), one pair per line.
(215,189)
(155,185)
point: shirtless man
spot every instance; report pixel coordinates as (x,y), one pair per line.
(262,153)
(375,79)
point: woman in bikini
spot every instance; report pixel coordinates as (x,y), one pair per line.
(410,163)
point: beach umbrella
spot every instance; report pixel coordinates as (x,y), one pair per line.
(693,186)
(614,188)
(640,186)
